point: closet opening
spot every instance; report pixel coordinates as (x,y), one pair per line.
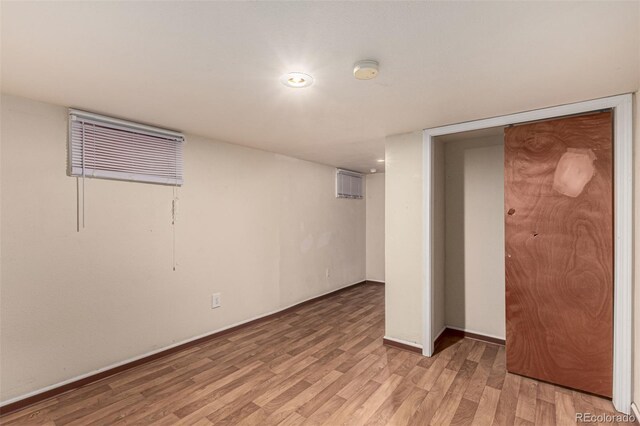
(620,155)
(469,234)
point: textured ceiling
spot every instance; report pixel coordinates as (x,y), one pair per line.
(213,68)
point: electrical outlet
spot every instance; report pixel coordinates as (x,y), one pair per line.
(216,301)
(328,273)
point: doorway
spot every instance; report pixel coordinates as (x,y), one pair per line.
(471,188)
(433,261)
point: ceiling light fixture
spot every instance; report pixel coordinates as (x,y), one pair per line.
(381,160)
(296,80)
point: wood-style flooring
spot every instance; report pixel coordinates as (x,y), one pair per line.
(323,363)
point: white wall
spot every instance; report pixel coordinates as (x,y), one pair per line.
(636,224)
(374,190)
(636,269)
(403,237)
(438,240)
(475,235)
(258,227)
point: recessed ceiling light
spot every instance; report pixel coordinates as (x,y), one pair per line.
(296,80)
(381,160)
(373,170)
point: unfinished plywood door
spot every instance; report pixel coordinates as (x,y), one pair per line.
(559,251)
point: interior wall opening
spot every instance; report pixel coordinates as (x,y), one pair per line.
(469,233)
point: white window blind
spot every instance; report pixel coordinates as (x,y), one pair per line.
(104,147)
(349,184)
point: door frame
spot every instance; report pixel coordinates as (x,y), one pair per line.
(622,223)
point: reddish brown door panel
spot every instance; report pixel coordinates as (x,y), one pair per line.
(559,251)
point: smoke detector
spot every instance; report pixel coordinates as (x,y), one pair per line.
(365,70)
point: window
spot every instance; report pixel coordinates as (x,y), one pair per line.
(349,184)
(108,148)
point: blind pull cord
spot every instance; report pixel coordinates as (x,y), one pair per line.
(174,204)
(174,213)
(81,208)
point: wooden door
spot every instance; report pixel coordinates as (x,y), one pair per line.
(559,251)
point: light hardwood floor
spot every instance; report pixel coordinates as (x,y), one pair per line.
(323,363)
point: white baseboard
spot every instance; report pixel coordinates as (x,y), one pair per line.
(164,348)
